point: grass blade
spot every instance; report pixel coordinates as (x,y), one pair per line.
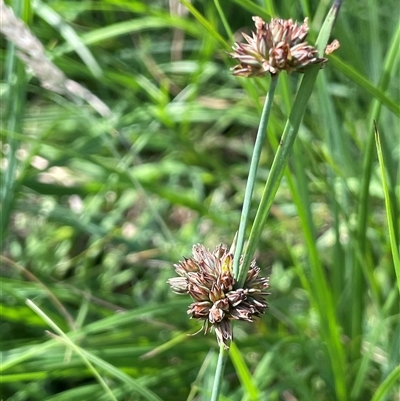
(244,375)
(389,209)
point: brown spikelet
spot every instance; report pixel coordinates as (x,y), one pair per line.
(278,46)
(207,277)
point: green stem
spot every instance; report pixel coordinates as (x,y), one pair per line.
(279,163)
(239,272)
(222,357)
(286,143)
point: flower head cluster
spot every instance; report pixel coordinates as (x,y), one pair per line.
(277,46)
(208,278)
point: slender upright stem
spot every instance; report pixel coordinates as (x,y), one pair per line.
(239,272)
(279,163)
(219,372)
(286,143)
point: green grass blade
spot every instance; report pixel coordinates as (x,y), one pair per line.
(321,291)
(327,26)
(223,18)
(91,359)
(387,385)
(358,78)
(15,79)
(391,60)
(109,323)
(389,209)
(251,391)
(253,8)
(72,38)
(206,24)
(125,27)
(75,348)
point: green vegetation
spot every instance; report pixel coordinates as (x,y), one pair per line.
(97,207)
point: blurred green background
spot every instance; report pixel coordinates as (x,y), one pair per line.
(96,210)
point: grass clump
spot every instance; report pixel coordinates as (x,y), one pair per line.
(97,207)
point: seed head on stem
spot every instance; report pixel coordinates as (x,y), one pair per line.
(208,278)
(277,46)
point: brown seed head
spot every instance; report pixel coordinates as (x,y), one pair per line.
(208,278)
(275,47)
